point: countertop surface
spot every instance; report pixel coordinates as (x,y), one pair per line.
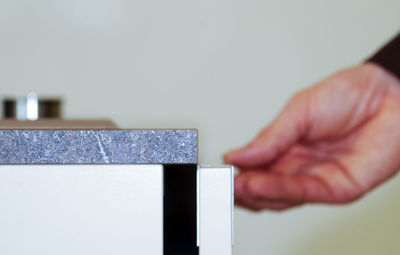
(96,146)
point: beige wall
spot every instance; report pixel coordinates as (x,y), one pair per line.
(224,67)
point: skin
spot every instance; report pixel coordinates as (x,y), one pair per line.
(332,143)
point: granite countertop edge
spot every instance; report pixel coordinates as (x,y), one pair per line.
(98,146)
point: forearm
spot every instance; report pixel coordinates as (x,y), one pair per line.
(389,57)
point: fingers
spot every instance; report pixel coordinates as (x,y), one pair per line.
(259,204)
(256,203)
(290,125)
(257,190)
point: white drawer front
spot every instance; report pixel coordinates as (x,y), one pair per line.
(81,209)
(215,210)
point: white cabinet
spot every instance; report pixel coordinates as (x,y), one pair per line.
(81,209)
(104,209)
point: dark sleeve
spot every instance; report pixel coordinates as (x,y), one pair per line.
(389,57)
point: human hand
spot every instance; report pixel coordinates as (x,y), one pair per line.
(332,143)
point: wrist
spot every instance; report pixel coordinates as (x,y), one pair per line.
(379,75)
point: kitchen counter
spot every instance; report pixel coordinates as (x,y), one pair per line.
(98,146)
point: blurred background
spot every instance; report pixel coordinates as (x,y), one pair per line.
(225,67)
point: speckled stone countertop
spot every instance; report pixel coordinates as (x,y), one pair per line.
(142,146)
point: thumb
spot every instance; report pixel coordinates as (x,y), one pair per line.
(279,136)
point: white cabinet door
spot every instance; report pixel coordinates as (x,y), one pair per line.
(215,210)
(81,209)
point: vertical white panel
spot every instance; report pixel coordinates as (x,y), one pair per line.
(215,222)
(81,209)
